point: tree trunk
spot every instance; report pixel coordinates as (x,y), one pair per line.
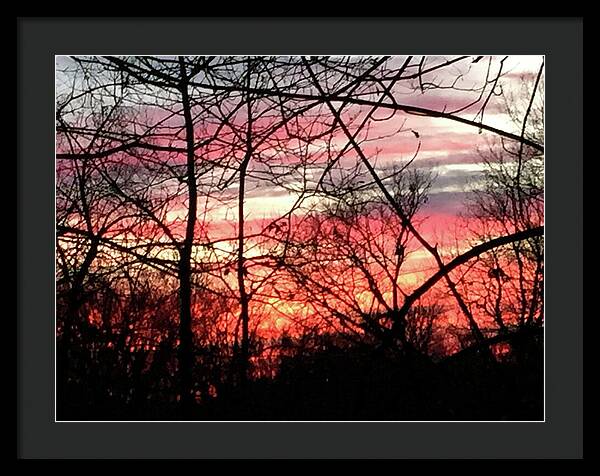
(185,354)
(241,271)
(244,356)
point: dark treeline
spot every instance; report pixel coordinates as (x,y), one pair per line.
(318,377)
(169,288)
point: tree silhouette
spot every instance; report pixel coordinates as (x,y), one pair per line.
(182,293)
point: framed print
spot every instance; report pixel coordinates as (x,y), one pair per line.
(282,245)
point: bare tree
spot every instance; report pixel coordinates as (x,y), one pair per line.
(165,126)
(506,285)
(158,158)
(399,323)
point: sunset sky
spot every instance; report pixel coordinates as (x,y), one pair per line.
(446,148)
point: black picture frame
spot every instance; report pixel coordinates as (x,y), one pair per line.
(559,436)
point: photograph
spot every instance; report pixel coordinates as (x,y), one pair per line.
(267,238)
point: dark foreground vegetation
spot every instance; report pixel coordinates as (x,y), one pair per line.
(331,382)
